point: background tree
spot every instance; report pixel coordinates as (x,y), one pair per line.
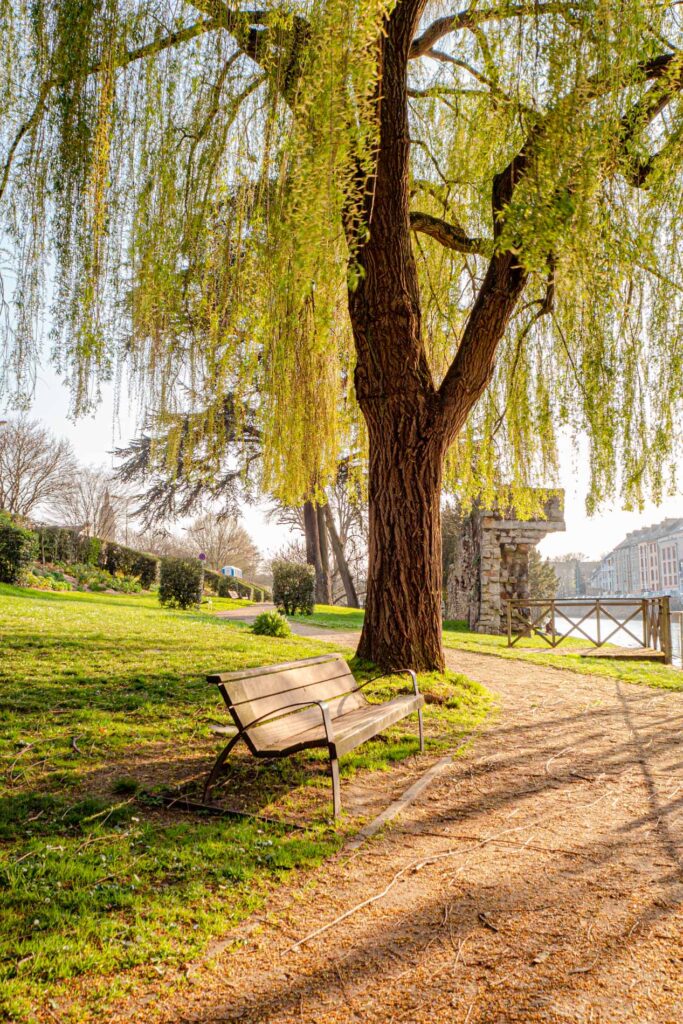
(543,581)
(92,502)
(224,541)
(37,470)
(498,188)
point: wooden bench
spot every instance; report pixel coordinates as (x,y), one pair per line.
(281,709)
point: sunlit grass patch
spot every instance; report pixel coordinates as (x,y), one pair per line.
(104,708)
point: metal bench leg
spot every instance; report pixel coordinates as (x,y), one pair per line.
(336,788)
(220,761)
(420,725)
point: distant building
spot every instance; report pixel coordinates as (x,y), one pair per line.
(574,576)
(647,563)
(232,570)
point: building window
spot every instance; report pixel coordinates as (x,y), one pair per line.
(644,574)
(670,566)
(654,565)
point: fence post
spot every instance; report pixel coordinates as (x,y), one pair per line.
(646,625)
(509,617)
(597,621)
(665,629)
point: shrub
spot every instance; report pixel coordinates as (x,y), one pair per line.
(271,624)
(116,558)
(17,548)
(181,582)
(294,587)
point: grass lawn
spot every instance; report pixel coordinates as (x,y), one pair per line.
(333,616)
(103,706)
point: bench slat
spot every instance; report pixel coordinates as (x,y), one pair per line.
(328,689)
(264,670)
(258,696)
(301,721)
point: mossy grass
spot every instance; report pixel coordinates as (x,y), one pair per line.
(105,709)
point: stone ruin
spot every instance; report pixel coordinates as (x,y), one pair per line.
(491,563)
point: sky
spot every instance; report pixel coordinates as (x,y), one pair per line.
(94,438)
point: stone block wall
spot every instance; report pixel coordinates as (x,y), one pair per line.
(491,563)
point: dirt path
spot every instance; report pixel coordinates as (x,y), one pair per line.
(555,892)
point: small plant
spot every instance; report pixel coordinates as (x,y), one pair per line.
(126,785)
(181,582)
(293,587)
(271,624)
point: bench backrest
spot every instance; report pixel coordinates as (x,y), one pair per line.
(255,692)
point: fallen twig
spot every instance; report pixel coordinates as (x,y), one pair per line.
(412,867)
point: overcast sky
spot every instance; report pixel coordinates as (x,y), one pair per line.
(94,438)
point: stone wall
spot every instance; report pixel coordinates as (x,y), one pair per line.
(491,563)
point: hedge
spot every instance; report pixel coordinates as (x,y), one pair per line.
(62,544)
(17,548)
(222,585)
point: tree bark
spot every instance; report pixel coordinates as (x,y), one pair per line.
(340,560)
(402,627)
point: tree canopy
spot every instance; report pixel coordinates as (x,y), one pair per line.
(187,186)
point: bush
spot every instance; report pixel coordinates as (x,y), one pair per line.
(17,548)
(116,558)
(181,582)
(43,581)
(271,624)
(294,587)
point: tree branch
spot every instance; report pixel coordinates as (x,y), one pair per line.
(451,236)
(471,18)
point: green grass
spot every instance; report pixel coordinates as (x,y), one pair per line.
(333,616)
(104,706)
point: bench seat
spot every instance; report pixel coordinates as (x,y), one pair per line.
(349,730)
(316,702)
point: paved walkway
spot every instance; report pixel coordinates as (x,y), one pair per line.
(539,879)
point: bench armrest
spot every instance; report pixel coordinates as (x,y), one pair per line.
(397,672)
(272,716)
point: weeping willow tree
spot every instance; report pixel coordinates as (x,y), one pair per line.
(453,233)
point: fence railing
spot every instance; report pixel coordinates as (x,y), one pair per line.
(646,621)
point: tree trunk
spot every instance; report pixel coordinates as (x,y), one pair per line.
(313,553)
(402,626)
(340,560)
(326,577)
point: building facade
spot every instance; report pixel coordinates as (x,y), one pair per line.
(574,576)
(647,563)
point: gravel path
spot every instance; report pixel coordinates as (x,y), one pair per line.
(539,879)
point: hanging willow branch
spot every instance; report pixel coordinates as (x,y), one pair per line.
(187,189)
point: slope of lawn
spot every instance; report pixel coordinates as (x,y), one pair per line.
(103,708)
